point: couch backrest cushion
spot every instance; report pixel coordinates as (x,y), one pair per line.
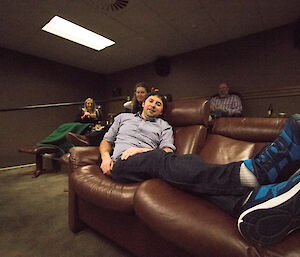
(221,150)
(249,128)
(189,140)
(235,139)
(186,112)
(189,119)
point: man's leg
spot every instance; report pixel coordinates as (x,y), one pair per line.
(187,172)
(220,184)
(271,212)
(279,160)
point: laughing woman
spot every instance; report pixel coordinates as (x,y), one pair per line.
(139,95)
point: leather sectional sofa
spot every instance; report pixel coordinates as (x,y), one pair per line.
(154,219)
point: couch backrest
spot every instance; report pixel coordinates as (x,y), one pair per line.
(235,139)
(189,119)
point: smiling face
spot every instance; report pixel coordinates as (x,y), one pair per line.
(152,107)
(89,104)
(140,94)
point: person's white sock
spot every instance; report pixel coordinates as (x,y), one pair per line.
(247,178)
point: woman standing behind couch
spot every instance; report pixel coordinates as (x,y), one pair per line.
(139,95)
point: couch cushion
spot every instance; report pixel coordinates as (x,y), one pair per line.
(188,118)
(189,140)
(187,112)
(239,138)
(249,129)
(221,150)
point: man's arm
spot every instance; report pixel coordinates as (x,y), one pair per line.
(106,146)
(167,139)
(107,163)
(134,150)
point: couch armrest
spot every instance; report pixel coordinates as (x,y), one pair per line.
(198,226)
(82,156)
(194,224)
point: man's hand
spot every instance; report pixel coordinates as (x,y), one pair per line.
(134,150)
(107,165)
(214,107)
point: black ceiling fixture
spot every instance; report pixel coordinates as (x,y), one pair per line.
(162,66)
(114,5)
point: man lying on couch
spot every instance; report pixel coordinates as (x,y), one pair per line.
(265,187)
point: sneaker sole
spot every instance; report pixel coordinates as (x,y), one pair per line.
(271,221)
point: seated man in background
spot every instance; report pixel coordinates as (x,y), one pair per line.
(225,104)
(252,190)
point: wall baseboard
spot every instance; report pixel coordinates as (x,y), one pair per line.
(27,166)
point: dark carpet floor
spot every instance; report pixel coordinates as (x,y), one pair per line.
(34,220)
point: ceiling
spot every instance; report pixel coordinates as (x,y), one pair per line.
(142,29)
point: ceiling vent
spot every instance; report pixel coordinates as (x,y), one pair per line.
(114,5)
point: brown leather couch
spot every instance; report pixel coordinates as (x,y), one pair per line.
(154,219)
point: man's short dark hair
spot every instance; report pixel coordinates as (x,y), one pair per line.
(161,97)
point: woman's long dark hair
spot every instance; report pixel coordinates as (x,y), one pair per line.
(136,105)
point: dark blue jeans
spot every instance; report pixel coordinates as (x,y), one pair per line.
(219,184)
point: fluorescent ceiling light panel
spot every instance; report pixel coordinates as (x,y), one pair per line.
(66,29)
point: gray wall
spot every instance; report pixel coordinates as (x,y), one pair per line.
(264,68)
(26,80)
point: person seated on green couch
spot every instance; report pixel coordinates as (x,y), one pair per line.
(86,120)
(89,112)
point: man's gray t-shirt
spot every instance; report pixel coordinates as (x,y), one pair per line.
(130,130)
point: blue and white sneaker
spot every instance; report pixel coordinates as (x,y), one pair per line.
(279,160)
(271,212)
